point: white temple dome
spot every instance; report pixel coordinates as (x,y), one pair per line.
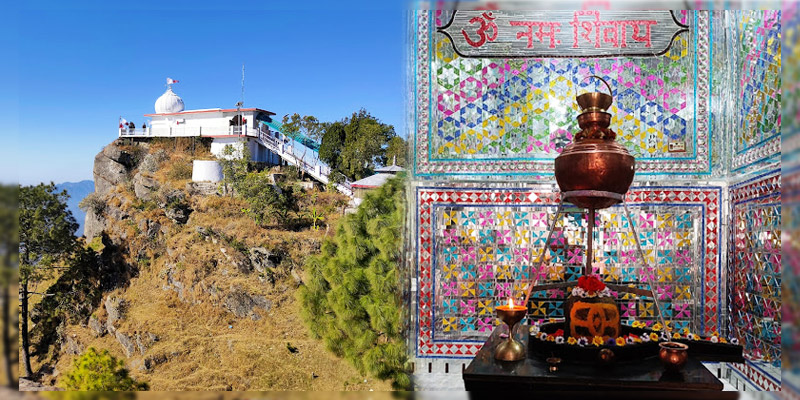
(169,102)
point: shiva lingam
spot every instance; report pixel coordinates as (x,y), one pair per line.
(511,349)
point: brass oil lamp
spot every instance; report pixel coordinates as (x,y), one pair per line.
(510,349)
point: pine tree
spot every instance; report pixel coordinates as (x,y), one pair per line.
(71,298)
(9,262)
(100,371)
(46,235)
(352,299)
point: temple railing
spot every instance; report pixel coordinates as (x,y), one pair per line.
(188,131)
(290,150)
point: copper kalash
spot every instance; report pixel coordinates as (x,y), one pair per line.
(594,171)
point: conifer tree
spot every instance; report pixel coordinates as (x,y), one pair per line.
(352,298)
(9,262)
(46,236)
(100,371)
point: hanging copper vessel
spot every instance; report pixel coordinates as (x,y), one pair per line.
(594,171)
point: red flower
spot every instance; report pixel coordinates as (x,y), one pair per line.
(591,284)
(559,332)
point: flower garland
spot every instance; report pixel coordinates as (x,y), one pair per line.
(592,286)
(558,337)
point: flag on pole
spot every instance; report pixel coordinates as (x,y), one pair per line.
(122,120)
(170,81)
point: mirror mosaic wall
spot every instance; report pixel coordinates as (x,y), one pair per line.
(703,121)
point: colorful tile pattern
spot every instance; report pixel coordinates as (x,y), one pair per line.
(758,74)
(790,181)
(476,246)
(754,266)
(790,310)
(514,116)
(762,376)
(499,117)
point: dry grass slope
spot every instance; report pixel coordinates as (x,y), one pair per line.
(205,345)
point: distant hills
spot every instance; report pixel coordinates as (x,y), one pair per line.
(77,192)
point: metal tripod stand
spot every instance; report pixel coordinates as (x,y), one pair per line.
(565,196)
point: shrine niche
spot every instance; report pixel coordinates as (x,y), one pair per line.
(704,202)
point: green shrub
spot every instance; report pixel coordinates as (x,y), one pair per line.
(93,202)
(267,202)
(335,178)
(352,298)
(235,165)
(100,371)
(96,244)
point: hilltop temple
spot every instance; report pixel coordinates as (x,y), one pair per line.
(233,126)
(250,130)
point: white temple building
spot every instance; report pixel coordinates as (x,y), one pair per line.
(239,127)
(244,129)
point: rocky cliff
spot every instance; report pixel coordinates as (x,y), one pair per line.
(208,300)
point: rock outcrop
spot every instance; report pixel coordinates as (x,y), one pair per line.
(26,385)
(97,327)
(176,206)
(263,260)
(111,167)
(127,344)
(115,308)
(144,186)
(156,231)
(244,305)
(93,224)
(144,341)
(71,346)
(151,161)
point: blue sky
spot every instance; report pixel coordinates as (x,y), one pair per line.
(72,71)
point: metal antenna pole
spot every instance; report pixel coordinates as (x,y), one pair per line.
(535,278)
(644,261)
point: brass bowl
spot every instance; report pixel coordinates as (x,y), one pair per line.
(594,101)
(606,356)
(673,355)
(597,165)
